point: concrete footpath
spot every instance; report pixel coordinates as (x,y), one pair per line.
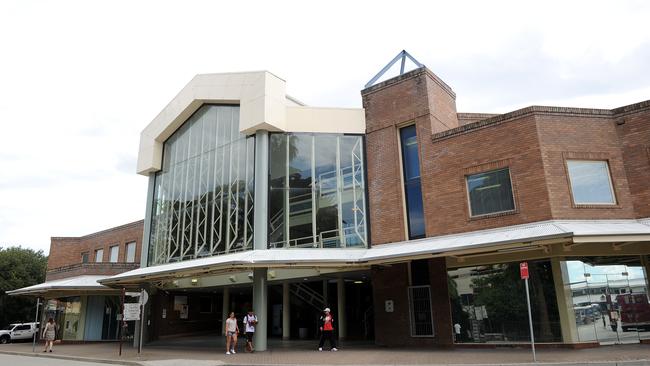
(297,354)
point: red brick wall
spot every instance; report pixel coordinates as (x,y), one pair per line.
(394,329)
(417,97)
(565,137)
(446,162)
(66,251)
(634,134)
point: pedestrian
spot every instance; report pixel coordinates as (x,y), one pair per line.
(457,331)
(327,330)
(250,320)
(231,329)
(49,334)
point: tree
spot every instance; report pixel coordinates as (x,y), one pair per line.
(19,267)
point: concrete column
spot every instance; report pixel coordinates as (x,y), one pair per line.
(225,308)
(564,301)
(144,253)
(286,312)
(340,295)
(261,207)
(260,296)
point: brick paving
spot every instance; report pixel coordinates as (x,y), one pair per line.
(184,350)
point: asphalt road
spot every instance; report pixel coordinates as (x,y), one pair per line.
(41,361)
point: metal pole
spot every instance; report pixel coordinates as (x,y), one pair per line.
(141,319)
(530,322)
(37,327)
(122,321)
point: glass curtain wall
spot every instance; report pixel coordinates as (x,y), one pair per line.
(203,198)
(317,193)
(489,303)
(610,298)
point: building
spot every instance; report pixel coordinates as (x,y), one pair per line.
(405,217)
(84,309)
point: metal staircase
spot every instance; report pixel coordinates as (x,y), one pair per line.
(308,295)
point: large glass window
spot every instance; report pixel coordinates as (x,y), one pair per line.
(489,303)
(490,192)
(412,184)
(590,182)
(203,199)
(316,191)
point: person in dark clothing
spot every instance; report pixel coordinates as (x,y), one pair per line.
(327,330)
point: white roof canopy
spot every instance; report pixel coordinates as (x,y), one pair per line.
(76,284)
(477,241)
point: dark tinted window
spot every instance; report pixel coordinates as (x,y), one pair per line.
(490,192)
(412,184)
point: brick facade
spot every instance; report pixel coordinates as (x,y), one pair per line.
(534,143)
(65,258)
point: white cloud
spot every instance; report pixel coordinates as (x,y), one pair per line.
(79,79)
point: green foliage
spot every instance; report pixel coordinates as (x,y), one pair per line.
(19,267)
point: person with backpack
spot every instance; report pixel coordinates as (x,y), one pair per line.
(327,330)
(250,320)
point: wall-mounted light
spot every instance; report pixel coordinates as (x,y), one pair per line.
(232,279)
(194,281)
(271,274)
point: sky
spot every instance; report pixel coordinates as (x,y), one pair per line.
(79,80)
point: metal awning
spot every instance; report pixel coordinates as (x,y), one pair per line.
(72,284)
(517,236)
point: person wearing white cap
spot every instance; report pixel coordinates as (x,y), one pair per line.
(327,330)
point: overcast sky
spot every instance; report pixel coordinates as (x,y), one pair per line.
(79,80)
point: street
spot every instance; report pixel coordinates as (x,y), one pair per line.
(41,361)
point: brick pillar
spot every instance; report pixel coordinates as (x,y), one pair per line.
(440,305)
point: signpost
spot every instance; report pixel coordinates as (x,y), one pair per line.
(523,272)
(37,326)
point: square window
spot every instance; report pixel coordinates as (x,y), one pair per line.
(591,183)
(490,192)
(84,257)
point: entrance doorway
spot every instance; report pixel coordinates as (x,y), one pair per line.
(610,299)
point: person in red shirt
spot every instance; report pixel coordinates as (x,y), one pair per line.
(327,330)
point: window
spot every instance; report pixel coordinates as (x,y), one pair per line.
(114,253)
(316,191)
(591,183)
(420,311)
(412,185)
(490,192)
(130,252)
(204,193)
(99,255)
(85,257)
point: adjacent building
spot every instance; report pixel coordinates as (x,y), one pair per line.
(84,309)
(406,217)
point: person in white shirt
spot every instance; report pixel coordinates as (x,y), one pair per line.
(457,332)
(231,329)
(250,320)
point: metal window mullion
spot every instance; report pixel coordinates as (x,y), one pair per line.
(230,164)
(185,194)
(313,192)
(198,183)
(287,208)
(235,196)
(245,164)
(339,191)
(173,197)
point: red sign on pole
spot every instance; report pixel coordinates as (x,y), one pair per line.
(523,270)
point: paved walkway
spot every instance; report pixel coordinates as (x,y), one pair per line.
(303,353)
